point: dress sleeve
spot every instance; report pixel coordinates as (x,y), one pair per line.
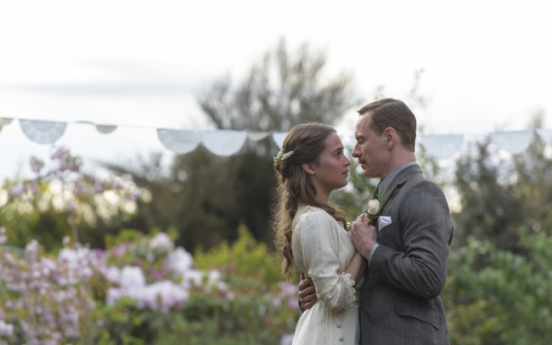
(320,248)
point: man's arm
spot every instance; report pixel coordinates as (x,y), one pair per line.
(307,293)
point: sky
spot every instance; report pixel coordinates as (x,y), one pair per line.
(141,64)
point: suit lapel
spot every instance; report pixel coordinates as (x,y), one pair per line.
(400,180)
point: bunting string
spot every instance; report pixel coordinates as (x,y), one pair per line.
(230,142)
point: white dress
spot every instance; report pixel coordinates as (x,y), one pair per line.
(322,250)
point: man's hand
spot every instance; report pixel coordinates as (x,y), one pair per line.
(363,235)
(307,293)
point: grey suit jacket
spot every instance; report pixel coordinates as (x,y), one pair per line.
(401,295)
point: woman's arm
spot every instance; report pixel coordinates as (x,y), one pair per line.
(318,243)
(356,267)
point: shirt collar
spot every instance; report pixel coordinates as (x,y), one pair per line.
(384,184)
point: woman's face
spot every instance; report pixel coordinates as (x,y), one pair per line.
(332,169)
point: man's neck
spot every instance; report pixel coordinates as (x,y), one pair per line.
(398,163)
(386,181)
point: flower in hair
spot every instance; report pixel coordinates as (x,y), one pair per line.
(282,156)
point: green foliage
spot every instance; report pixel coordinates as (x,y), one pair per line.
(34,219)
(498,196)
(245,258)
(489,291)
(491,207)
(257,314)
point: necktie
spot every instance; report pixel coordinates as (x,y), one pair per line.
(376,191)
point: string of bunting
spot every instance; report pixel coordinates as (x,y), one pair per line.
(229,142)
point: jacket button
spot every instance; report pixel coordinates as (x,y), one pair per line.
(339,325)
(341,338)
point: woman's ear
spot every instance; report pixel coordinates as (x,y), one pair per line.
(308,169)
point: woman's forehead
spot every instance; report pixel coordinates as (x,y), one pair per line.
(333,141)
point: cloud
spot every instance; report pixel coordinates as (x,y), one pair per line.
(108,89)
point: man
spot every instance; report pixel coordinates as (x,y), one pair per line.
(407,246)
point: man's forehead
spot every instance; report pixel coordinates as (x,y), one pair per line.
(362,125)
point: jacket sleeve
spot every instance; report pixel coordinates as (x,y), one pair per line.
(319,245)
(426,235)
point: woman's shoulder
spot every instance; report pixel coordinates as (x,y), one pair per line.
(306,210)
(307,213)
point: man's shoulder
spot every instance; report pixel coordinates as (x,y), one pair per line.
(424,193)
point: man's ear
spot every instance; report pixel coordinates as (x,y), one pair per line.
(308,169)
(390,136)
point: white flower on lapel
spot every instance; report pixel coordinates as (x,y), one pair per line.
(373,208)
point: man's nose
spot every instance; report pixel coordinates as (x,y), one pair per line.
(356,151)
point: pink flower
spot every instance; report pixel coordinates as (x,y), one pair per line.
(293,303)
(287,339)
(288,288)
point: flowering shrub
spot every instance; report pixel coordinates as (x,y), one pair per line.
(140,290)
(62,197)
(260,304)
(44,300)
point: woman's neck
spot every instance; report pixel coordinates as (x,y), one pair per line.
(323,198)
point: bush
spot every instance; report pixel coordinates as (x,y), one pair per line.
(143,290)
(498,297)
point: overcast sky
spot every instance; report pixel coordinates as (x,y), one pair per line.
(140,63)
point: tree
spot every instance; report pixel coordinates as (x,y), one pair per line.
(498,196)
(206,197)
(282,90)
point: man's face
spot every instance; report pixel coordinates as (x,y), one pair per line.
(371,149)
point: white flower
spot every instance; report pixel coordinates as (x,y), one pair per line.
(161,296)
(6,329)
(113,294)
(112,274)
(373,207)
(162,240)
(192,277)
(214,277)
(132,276)
(179,261)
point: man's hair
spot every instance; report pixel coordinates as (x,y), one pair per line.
(389,112)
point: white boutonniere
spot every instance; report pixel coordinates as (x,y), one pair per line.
(374,208)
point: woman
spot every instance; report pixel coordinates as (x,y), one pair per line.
(311,234)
